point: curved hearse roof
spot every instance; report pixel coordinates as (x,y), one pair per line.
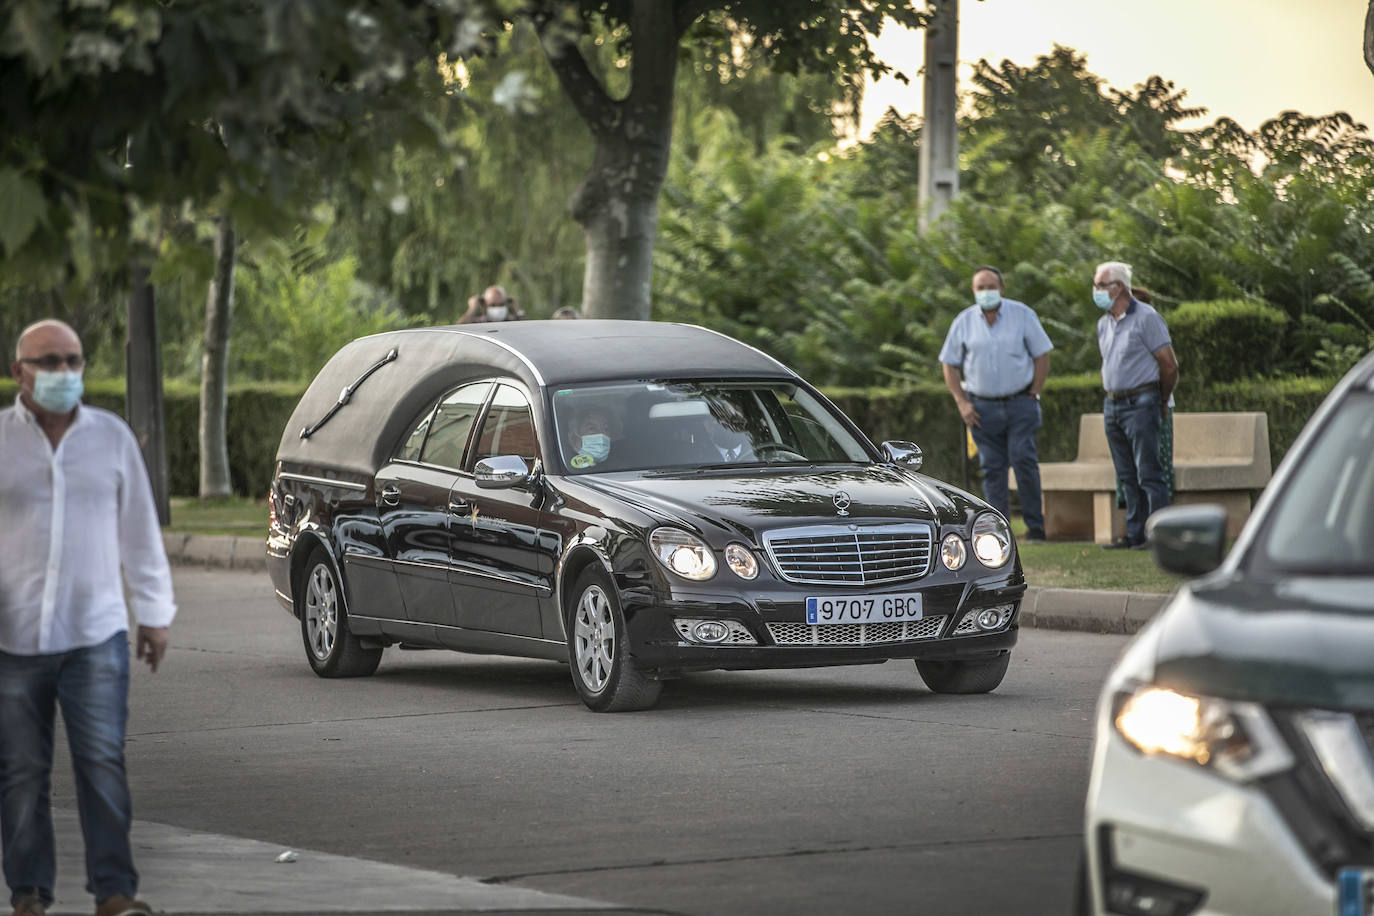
(377,386)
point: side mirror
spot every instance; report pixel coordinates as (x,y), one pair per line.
(907,454)
(1188,540)
(501,472)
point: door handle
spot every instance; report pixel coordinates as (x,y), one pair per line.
(460,507)
(391,494)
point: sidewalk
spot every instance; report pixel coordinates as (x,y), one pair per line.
(1088,610)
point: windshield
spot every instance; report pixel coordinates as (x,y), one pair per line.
(631,426)
(1323,522)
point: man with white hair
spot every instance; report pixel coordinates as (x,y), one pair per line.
(80,533)
(1139,372)
(492,305)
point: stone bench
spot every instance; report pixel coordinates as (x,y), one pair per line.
(1218,458)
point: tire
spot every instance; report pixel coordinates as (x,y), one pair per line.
(964,676)
(330,647)
(599,653)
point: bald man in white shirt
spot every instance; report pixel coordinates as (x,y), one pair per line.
(79,531)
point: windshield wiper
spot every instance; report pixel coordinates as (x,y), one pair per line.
(347,394)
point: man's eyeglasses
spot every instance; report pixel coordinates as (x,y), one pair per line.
(51,362)
(1105,285)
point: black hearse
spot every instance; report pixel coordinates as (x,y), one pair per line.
(638,499)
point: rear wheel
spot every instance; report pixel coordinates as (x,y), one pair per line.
(605,675)
(330,647)
(968,676)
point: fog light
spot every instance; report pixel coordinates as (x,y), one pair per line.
(710,631)
(989,619)
(1137,896)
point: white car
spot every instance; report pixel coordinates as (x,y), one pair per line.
(1232,770)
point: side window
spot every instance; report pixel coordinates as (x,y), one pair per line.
(508,428)
(450,424)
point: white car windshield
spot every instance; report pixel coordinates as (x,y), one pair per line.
(1324,521)
(632,426)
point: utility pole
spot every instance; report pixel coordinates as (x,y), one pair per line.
(939,130)
(143,388)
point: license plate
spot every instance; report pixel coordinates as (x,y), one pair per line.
(1356,892)
(863,609)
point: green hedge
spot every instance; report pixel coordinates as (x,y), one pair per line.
(924,414)
(1226,339)
(257,414)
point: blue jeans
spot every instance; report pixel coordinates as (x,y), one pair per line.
(1133,426)
(92,687)
(1005,438)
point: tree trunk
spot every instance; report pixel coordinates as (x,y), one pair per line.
(214,369)
(617,203)
(1369,37)
(143,388)
(617,207)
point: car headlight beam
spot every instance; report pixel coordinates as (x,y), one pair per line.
(683,553)
(991,540)
(1238,740)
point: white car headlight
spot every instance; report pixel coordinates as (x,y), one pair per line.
(1237,740)
(683,553)
(991,540)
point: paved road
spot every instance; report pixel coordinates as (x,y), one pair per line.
(452,783)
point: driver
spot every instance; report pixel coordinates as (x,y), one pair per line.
(589,438)
(728,433)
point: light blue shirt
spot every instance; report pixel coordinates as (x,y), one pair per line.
(1129,346)
(996,359)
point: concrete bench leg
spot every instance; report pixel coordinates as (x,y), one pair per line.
(1068,515)
(1109,522)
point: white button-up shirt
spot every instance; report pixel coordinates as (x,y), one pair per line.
(77,525)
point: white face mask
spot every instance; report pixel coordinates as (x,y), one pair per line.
(497,312)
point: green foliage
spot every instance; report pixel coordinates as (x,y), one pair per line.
(1225,339)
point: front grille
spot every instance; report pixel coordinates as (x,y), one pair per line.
(855,634)
(850,555)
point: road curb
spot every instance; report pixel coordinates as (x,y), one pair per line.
(1084,609)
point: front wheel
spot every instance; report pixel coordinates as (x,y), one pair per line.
(605,675)
(330,647)
(970,676)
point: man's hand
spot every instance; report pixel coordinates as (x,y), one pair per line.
(970,415)
(152,644)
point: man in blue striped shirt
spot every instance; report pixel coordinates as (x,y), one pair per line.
(1004,356)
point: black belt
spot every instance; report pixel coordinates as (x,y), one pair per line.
(1008,397)
(1132,392)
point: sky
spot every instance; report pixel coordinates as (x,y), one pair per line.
(1243,59)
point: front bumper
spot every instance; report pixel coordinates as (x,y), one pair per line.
(1152,818)
(659,647)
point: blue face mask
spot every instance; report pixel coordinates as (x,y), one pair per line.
(598,445)
(987,299)
(56,392)
(1102,299)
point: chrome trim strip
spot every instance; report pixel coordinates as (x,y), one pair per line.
(323,481)
(847,534)
(451,568)
(509,349)
(463,570)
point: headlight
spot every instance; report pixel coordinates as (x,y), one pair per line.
(684,553)
(991,540)
(741,561)
(1238,740)
(952,552)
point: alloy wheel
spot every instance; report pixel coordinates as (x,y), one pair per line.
(321,612)
(594,638)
